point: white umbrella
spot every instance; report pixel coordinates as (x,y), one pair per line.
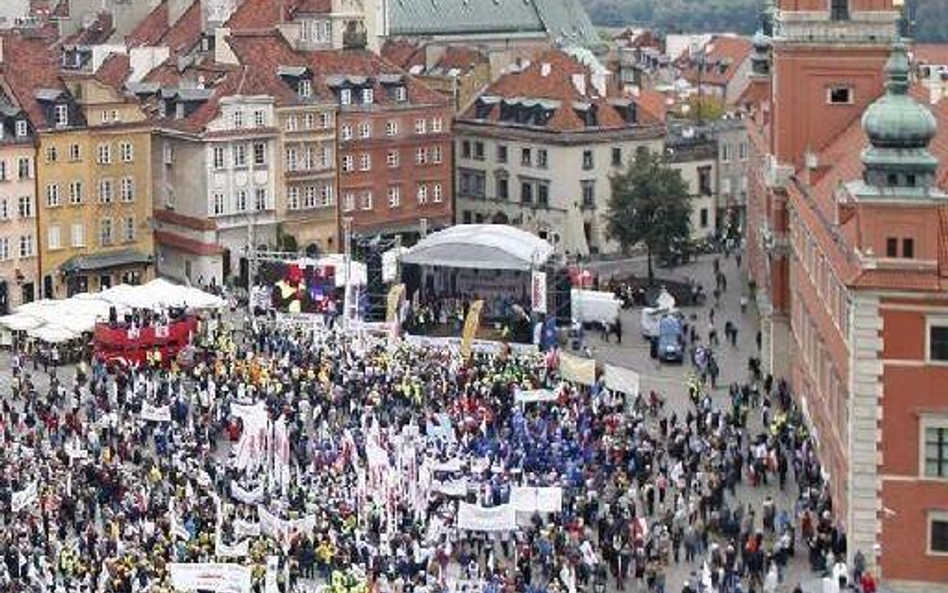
(51,334)
(21,322)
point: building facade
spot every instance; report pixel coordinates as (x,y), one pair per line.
(695,155)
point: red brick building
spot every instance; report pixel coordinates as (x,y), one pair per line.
(848,248)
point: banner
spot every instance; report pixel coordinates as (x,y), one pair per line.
(538,291)
(577,370)
(526,396)
(23,498)
(245,496)
(470,327)
(474,518)
(394,300)
(238,550)
(155,414)
(622,380)
(245,528)
(452,488)
(210,576)
(283,530)
(529,499)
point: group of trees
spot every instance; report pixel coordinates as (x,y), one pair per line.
(929,17)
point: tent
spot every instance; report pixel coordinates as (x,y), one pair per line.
(481,246)
(21,322)
(52,334)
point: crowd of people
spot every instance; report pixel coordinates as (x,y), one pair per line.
(355,476)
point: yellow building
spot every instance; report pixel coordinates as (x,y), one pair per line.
(93,189)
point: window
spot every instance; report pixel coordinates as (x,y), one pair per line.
(25,207)
(52,155)
(346,132)
(241,201)
(437,193)
(394,196)
(325,157)
(938,532)
(365,162)
(479,151)
(105,191)
(22,129)
(26,246)
(501,153)
(503,188)
(420,126)
(935,448)
(466,149)
(526,157)
(347,163)
(218,157)
(726,186)
(908,248)
(309,161)
(345,96)
(938,341)
(365,130)
(365,200)
(542,158)
(526,193)
(401,95)
(891,247)
(324,120)
(105,231)
(348,202)
(3,169)
(422,193)
(367,96)
(305,89)
(4,248)
(293,198)
(240,155)
(616,156)
(437,155)
(325,194)
(78,235)
(589,194)
(238,119)
(75,153)
(259,119)
(24,168)
(260,153)
(127,189)
(392,159)
(4,209)
(126,152)
(62,116)
(725,153)
(292,123)
(260,199)
(543,194)
(52,195)
(291,162)
(704,181)
(309,196)
(128,229)
(421,156)
(309,121)
(743,151)
(436,125)
(704,218)
(587,160)
(104,154)
(839,10)
(839,95)
(391,128)
(53,237)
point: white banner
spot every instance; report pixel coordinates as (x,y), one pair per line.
(528,499)
(454,488)
(474,518)
(246,528)
(23,498)
(538,291)
(450,466)
(155,414)
(238,550)
(526,396)
(577,370)
(283,530)
(246,496)
(208,576)
(622,380)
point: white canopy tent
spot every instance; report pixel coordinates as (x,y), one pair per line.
(481,246)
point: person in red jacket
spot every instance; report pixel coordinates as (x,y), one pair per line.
(867,583)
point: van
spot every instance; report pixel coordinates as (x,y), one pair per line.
(671,347)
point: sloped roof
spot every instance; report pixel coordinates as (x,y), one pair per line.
(260,14)
(461,58)
(313,7)
(483,246)
(98,31)
(403,53)
(29,66)
(184,33)
(114,70)
(728,50)
(151,28)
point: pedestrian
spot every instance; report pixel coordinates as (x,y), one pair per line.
(617,328)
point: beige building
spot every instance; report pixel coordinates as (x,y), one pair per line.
(536,150)
(696,156)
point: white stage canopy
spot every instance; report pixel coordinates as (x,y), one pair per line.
(482,246)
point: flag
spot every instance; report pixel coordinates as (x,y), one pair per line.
(538,291)
(394,300)
(470,327)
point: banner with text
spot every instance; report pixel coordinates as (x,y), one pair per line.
(210,576)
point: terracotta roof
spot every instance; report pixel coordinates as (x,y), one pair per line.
(553,76)
(722,50)
(260,14)
(185,32)
(357,62)
(151,28)
(462,58)
(930,53)
(114,71)
(403,53)
(262,55)
(189,222)
(186,244)
(96,33)
(653,102)
(898,280)
(314,7)
(28,66)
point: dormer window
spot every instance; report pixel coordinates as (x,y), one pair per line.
(305,89)
(61,114)
(345,96)
(238,119)
(21,128)
(367,96)
(401,95)
(162,109)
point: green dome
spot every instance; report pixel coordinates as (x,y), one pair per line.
(896,120)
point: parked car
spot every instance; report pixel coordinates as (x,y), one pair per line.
(671,342)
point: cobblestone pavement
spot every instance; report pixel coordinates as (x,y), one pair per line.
(668,380)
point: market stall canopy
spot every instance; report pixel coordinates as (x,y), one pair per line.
(481,246)
(52,334)
(21,322)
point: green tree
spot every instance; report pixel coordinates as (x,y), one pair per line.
(650,205)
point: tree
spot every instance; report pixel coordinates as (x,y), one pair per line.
(650,205)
